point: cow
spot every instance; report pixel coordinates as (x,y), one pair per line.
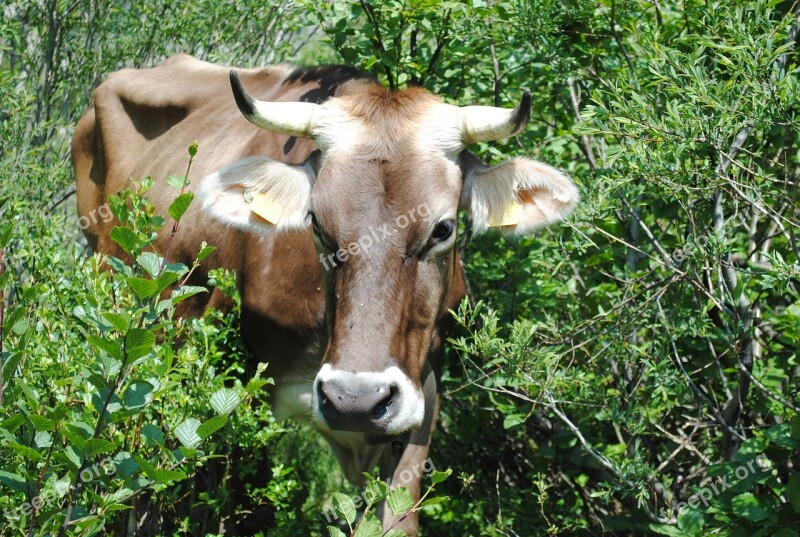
(336,202)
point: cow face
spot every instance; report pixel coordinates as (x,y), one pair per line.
(381,199)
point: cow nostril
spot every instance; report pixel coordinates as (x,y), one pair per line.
(380,409)
(323,398)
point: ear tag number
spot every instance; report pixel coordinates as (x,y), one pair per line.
(266,207)
(509,218)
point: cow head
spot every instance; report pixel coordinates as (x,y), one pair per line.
(381,198)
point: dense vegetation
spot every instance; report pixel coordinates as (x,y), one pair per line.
(634,371)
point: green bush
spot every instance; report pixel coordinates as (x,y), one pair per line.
(109,399)
(634,371)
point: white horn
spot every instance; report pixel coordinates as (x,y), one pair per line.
(487,123)
(292,118)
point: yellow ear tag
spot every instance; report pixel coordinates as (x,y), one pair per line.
(509,218)
(266,207)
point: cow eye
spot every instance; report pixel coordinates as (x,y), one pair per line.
(314,224)
(324,238)
(443,230)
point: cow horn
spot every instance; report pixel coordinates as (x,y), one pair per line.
(487,123)
(292,118)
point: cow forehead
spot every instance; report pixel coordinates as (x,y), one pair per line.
(387,153)
(359,193)
(382,122)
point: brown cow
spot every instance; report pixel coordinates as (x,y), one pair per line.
(339,216)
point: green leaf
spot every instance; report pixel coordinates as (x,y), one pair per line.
(119,266)
(184,452)
(212,425)
(335,532)
(148,469)
(376,491)
(690,521)
(748,506)
(110,346)
(11,363)
(166,279)
(120,322)
(126,238)
(186,433)
(180,204)
(59,412)
(125,464)
(399,501)
(176,181)
(42,440)
(512,420)
(435,500)
(152,435)
(224,400)
(5,231)
(143,288)
(139,342)
(25,451)
(138,394)
(150,262)
(781,435)
(95,446)
(369,526)
(13,481)
(12,423)
(165,476)
(344,507)
(256,383)
(205,251)
(41,423)
(71,456)
(438,477)
(182,293)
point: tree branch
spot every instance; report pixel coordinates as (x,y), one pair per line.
(600,458)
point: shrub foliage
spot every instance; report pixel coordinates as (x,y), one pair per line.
(634,371)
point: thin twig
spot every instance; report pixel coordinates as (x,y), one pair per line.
(576,108)
(377,41)
(772,395)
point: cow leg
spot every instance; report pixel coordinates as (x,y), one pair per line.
(404,464)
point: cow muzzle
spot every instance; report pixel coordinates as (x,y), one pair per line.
(385,402)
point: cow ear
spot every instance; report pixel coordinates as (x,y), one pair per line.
(259,194)
(517,196)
